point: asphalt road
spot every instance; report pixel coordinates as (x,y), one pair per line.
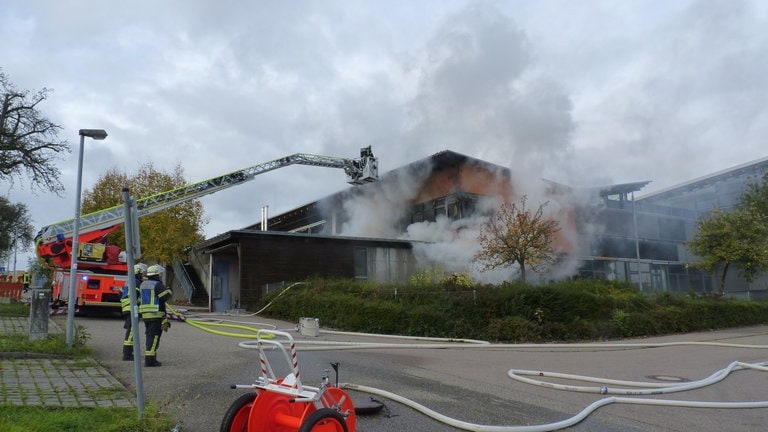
(469,384)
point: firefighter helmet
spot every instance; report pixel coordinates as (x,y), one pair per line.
(155,270)
(139,268)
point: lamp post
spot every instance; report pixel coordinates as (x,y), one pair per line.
(97,134)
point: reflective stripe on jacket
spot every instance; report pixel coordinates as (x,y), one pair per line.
(125,301)
(153,296)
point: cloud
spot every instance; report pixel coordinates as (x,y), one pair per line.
(584,94)
(694,99)
(480,93)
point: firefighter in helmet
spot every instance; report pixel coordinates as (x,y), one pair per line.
(125,304)
(153,297)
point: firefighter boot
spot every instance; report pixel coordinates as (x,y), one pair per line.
(127,352)
(151,361)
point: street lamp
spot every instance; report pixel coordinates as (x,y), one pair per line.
(97,134)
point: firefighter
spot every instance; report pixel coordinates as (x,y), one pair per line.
(26,279)
(125,303)
(153,297)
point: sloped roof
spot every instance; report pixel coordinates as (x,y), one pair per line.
(759,165)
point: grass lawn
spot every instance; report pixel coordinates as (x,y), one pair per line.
(37,418)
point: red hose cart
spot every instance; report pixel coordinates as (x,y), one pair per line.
(284,404)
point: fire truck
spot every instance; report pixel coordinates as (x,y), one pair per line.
(101,267)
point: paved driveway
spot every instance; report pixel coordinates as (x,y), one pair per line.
(468,384)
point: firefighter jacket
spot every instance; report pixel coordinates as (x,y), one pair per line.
(153,297)
(125,301)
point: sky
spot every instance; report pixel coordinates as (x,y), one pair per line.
(586,93)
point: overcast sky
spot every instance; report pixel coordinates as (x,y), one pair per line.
(581,92)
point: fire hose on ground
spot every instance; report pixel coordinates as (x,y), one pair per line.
(630,388)
(633,388)
(206,324)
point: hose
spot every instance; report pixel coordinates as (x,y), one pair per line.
(655,388)
(550,426)
(248,328)
(204,324)
(278,296)
(447,343)
(641,388)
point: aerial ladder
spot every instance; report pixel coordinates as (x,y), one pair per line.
(101,270)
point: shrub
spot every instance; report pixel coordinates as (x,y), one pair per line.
(509,312)
(513,329)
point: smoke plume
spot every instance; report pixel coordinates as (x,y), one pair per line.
(478,93)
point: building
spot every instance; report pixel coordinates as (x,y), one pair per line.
(702,195)
(357,233)
(642,243)
(428,213)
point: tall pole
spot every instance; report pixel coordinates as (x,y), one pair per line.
(72,297)
(130,248)
(15,250)
(97,134)
(637,244)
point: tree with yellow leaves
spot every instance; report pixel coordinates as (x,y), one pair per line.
(515,235)
(165,235)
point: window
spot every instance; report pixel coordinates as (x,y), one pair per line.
(453,210)
(439,207)
(361,263)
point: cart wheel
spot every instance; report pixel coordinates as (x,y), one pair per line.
(236,418)
(324,420)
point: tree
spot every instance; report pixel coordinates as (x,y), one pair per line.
(16,230)
(514,235)
(41,272)
(755,198)
(737,238)
(165,235)
(28,141)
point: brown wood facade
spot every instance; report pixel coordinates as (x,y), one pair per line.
(245,264)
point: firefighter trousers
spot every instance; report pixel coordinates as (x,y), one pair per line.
(153,331)
(128,339)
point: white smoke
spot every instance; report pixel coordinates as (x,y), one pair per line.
(451,245)
(479,93)
(377,209)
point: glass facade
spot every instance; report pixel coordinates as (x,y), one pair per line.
(642,240)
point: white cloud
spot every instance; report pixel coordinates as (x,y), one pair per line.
(585,93)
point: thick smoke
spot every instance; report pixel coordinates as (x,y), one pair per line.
(377,209)
(479,94)
(450,245)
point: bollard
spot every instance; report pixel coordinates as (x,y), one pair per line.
(38,314)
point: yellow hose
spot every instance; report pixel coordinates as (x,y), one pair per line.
(248,332)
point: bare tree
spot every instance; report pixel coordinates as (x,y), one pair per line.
(16,230)
(28,141)
(514,235)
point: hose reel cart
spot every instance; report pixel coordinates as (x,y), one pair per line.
(284,404)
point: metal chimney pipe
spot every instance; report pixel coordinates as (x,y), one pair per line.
(264,217)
